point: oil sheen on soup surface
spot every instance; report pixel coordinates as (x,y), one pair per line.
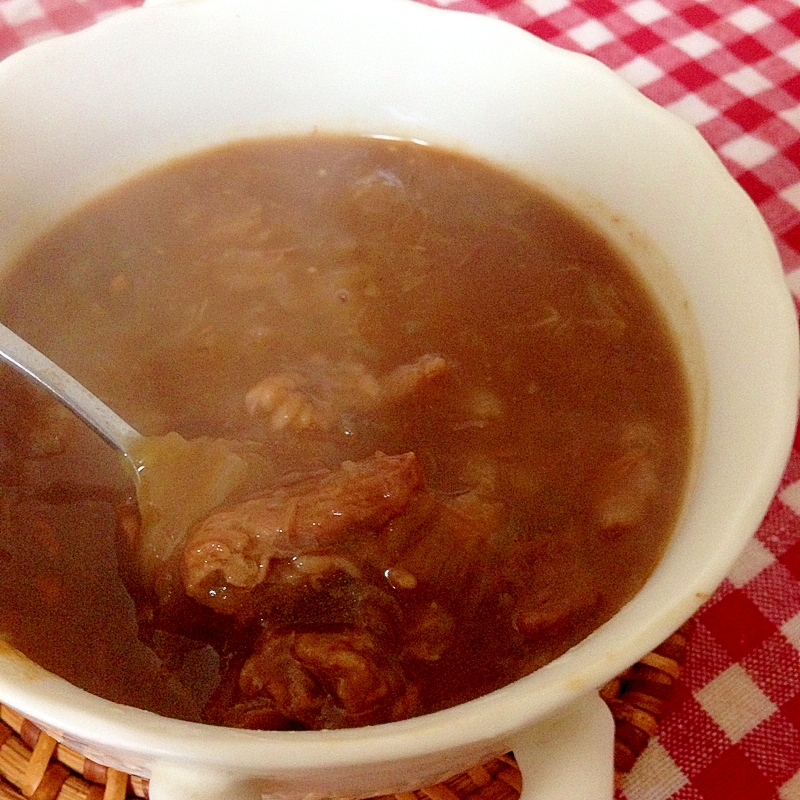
(448,434)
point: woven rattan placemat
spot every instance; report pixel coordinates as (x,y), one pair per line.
(34,765)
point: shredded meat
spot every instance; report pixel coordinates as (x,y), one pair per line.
(452,548)
(429,632)
(550,584)
(357,581)
(322,678)
(316,394)
(342,642)
(231,550)
(629,482)
(335,663)
(406,379)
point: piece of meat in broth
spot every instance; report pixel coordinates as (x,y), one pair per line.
(335,664)
(318,392)
(323,678)
(629,483)
(229,553)
(456,539)
(551,585)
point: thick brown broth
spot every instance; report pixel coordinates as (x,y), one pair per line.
(465,425)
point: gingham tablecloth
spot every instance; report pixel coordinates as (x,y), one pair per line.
(732,69)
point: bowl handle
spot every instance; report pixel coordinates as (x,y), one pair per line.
(173,782)
(569,756)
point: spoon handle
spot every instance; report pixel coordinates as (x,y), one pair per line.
(23,357)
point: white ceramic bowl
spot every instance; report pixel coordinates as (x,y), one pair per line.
(83,112)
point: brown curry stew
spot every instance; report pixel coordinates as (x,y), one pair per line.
(414,428)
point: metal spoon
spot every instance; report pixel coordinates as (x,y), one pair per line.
(25,358)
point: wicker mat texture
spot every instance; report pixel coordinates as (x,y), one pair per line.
(34,765)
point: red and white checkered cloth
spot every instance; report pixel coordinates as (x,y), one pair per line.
(733,70)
